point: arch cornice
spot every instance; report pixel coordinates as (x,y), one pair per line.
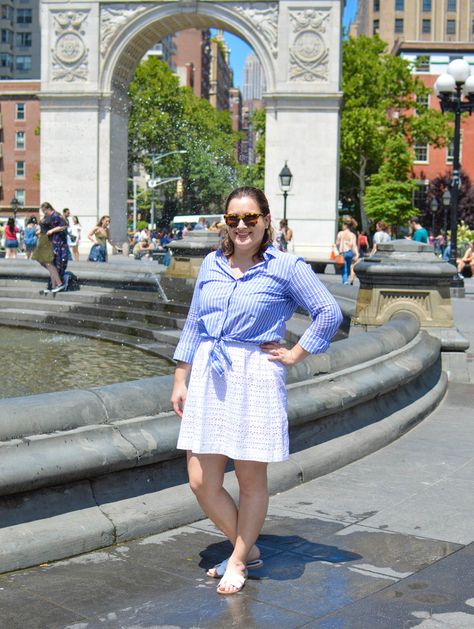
(231,16)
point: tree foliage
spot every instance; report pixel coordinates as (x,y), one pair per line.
(465,201)
(166,117)
(382,101)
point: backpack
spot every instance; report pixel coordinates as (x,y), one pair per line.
(71,282)
(97,253)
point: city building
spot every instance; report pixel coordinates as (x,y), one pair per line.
(422,21)
(253,79)
(429,34)
(221,73)
(192,59)
(20,40)
(20,145)
(164,50)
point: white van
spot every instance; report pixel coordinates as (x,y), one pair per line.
(179,222)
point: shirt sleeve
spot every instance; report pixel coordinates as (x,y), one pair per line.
(190,338)
(307,290)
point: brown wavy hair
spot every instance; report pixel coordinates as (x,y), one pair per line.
(227,246)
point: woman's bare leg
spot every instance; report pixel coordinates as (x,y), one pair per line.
(53,272)
(252,510)
(206,477)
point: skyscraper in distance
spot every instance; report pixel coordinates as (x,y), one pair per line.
(254,79)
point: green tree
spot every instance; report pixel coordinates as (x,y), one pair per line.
(166,117)
(254,174)
(382,100)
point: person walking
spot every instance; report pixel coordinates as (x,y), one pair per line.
(381,236)
(11,238)
(235,405)
(346,242)
(418,233)
(100,235)
(75,237)
(284,235)
(52,249)
(30,238)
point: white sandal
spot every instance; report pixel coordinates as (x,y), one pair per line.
(234,580)
(218,571)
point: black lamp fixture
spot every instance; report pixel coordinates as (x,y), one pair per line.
(14,205)
(446,203)
(434,208)
(285,178)
(455,91)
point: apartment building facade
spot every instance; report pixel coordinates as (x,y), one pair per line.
(20,40)
(19,145)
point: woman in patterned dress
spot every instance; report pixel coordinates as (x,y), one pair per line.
(235,405)
(53,227)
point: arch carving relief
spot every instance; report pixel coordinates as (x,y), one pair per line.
(264,17)
(112,17)
(69,56)
(309,53)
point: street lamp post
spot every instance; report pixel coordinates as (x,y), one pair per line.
(155,158)
(446,203)
(455,91)
(434,209)
(14,204)
(285,178)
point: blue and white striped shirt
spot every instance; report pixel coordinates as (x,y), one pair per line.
(254,308)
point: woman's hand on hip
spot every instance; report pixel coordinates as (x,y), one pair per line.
(279,353)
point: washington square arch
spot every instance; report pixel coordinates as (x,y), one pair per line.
(90,50)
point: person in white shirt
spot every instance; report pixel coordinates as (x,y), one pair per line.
(381,236)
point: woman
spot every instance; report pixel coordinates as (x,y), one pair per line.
(75,237)
(346,242)
(11,238)
(467,260)
(100,235)
(52,249)
(381,236)
(30,238)
(230,346)
(283,236)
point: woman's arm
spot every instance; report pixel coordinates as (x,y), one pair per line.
(91,234)
(180,388)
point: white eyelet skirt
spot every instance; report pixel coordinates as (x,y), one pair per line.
(242,414)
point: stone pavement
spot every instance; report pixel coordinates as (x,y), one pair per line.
(384,543)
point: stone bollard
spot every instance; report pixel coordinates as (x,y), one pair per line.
(406,276)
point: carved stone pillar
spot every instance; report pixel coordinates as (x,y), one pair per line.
(406,276)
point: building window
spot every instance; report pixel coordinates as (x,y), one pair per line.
(421,152)
(422,103)
(426,26)
(472,26)
(7,36)
(6,60)
(20,140)
(376,5)
(419,194)
(451,6)
(450,27)
(20,169)
(6,12)
(450,150)
(375,27)
(399,5)
(24,16)
(398,25)
(20,111)
(426,6)
(23,40)
(422,63)
(23,63)
(20,196)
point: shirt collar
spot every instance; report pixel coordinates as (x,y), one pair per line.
(270,252)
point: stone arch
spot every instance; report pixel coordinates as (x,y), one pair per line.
(89,53)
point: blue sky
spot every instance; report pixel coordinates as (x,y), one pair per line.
(239,49)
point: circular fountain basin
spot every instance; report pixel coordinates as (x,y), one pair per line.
(41,362)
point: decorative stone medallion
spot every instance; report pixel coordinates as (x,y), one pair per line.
(69,54)
(309,54)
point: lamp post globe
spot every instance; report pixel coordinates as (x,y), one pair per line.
(285,178)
